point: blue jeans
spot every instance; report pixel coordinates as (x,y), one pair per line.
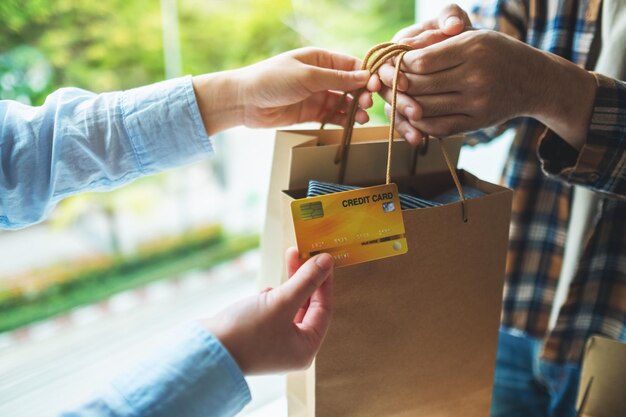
(527,386)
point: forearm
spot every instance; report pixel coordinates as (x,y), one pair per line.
(219,100)
(562,97)
(80,141)
(599,163)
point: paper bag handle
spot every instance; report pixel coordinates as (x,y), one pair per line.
(455,178)
(374,59)
(372,62)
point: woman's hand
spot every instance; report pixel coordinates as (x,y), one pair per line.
(303,85)
(280,329)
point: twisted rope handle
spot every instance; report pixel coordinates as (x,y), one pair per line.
(455,178)
(392,117)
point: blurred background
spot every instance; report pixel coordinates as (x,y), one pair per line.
(86,292)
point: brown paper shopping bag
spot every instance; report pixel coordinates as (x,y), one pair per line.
(414,334)
(603,379)
(411,335)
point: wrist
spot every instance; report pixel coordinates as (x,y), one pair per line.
(224,331)
(563,98)
(218,97)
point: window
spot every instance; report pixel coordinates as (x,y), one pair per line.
(86,291)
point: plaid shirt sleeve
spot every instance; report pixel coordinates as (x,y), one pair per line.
(601,163)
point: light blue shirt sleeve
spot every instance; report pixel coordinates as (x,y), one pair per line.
(80,141)
(191,376)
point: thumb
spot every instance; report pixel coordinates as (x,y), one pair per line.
(323,79)
(453,20)
(299,288)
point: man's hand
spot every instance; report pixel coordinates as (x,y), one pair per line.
(452,21)
(482,78)
(280,329)
(303,85)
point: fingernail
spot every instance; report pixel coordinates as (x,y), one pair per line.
(324,261)
(410,137)
(363,75)
(451,21)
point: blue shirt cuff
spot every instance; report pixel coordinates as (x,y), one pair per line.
(192,375)
(164,125)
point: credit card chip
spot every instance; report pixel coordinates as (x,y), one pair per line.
(310,211)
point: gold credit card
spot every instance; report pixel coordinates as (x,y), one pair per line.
(353,226)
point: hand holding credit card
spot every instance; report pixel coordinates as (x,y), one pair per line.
(353,226)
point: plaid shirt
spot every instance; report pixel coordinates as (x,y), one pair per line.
(542,169)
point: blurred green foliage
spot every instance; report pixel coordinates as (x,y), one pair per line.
(351,26)
(99,45)
(96,279)
(117,44)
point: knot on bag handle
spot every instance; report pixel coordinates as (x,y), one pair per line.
(376,57)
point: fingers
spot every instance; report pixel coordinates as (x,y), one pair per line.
(428,61)
(365,100)
(301,312)
(435,58)
(405,128)
(443,82)
(387,72)
(340,119)
(304,282)
(362,117)
(405,105)
(292,260)
(440,105)
(407,110)
(314,313)
(424,39)
(437,115)
(326,59)
(415,30)
(374,83)
(319,106)
(318,313)
(323,79)
(330,70)
(453,20)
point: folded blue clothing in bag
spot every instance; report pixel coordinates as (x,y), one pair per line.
(407,201)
